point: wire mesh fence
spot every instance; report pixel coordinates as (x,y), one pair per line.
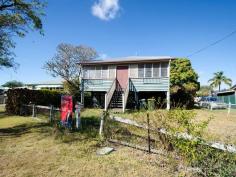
(139,136)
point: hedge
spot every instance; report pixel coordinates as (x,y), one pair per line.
(17,97)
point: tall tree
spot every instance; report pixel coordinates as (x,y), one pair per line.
(16,18)
(218,79)
(13,84)
(184,83)
(65,63)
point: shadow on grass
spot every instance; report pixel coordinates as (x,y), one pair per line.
(88,131)
(24,129)
(3,115)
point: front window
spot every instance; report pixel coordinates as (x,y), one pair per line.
(85,72)
(141,70)
(92,72)
(98,72)
(164,69)
(154,70)
(148,70)
(104,72)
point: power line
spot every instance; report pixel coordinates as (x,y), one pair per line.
(212,44)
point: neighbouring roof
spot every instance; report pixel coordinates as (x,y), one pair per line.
(226,92)
(4,88)
(46,83)
(234,87)
(130,59)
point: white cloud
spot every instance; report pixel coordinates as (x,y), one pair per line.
(105,9)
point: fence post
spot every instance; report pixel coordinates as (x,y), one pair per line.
(101,124)
(229,108)
(33,111)
(51,115)
(148,138)
(77,115)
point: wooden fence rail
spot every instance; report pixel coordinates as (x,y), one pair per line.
(216,145)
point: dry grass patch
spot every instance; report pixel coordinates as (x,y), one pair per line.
(32,148)
(221,128)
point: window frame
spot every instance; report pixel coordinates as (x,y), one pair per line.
(145,68)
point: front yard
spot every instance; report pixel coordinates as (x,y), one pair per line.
(30,147)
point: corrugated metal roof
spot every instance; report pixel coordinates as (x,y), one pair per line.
(130,59)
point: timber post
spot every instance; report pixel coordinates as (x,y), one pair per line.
(148,131)
(33,111)
(51,115)
(101,124)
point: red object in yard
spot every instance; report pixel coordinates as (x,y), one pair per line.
(122,76)
(66,107)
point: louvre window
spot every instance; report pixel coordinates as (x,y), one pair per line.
(92,72)
(98,73)
(164,69)
(156,70)
(85,72)
(104,72)
(141,70)
(148,70)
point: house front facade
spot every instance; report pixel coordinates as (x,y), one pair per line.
(116,81)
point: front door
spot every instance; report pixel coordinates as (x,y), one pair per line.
(122,76)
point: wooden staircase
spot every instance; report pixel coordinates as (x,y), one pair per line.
(117,98)
(116,101)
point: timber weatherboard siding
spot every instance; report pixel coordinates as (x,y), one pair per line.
(140,84)
(90,85)
(150,84)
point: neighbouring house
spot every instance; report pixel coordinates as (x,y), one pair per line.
(228,96)
(45,85)
(115,82)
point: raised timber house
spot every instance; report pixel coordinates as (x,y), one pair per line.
(115,82)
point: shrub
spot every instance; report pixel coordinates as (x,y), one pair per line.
(18,97)
(212,162)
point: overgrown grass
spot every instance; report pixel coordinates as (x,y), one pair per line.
(221,128)
(29,147)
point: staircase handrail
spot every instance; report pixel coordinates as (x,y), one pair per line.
(131,86)
(109,94)
(126,94)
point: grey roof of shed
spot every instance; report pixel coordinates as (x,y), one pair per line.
(130,59)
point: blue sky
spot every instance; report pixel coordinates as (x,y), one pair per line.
(118,28)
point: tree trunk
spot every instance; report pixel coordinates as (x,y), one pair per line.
(219,87)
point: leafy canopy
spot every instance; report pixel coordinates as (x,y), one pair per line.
(16,18)
(183,76)
(184,83)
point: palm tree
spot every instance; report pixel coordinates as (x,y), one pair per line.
(218,79)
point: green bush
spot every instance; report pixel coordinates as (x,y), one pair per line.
(212,162)
(17,97)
